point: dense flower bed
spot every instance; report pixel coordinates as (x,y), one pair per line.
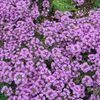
(48,57)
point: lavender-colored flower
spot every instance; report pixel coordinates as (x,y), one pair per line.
(79,2)
(20,77)
(87,80)
(49,41)
(42,53)
(7,91)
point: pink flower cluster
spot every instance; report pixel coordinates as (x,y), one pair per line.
(52,60)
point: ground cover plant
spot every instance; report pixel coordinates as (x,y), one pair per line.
(49,49)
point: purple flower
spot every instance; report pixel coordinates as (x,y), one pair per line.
(79,2)
(39,61)
(7,91)
(87,80)
(20,77)
(49,41)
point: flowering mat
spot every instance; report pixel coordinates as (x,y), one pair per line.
(49,49)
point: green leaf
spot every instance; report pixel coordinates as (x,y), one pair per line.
(39,19)
(90,63)
(48,63)
(96,4)
(85,56)
(3,84)
(88,92)
(40,37)
(1,43)
(90,73)
(63,5)
(2,97)
(50,1)
(77,80)
(40,5)
(89,89)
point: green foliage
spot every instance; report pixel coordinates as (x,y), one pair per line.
(1,43)
(3,84)
(39,36)
(40,5)
(48,63)
(96,4)
(90,73)
(77,80)
(12,85)
(2,97)
(39,19)
(85,57)
(63,5)
(50,1)
(88,92)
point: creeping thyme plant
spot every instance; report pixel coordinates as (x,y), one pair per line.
(49,49)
